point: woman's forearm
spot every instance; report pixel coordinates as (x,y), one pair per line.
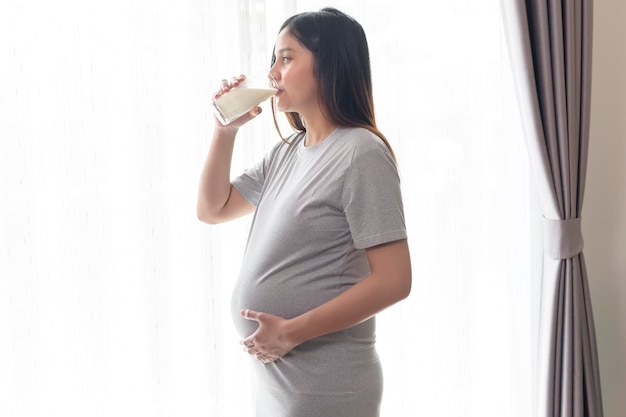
(389,282)
(215,188)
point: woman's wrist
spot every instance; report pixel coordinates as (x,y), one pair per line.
(225,133)
(296,331)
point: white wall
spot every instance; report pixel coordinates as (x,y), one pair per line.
(604,207)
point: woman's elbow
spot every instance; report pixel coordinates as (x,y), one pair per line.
(404,289)
(205,219)
(205,216)
(404,276)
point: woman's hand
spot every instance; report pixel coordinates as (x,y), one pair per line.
(225,87)
(271,339)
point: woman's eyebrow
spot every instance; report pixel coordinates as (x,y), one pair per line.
(280,51)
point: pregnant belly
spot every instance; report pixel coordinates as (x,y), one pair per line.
(283,298)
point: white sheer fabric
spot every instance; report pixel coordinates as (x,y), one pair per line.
(114,299)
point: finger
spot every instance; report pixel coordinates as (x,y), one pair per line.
(250,314)
(223,88)
(246,117)
(266,358)
(224,85)
(235,81)
(248,345)
(252,350)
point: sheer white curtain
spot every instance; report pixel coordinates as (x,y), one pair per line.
(114,299)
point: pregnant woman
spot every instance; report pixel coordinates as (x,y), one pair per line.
(327,249)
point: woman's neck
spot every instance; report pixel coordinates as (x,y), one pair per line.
(317,129)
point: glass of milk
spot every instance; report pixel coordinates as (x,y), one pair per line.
(254,90)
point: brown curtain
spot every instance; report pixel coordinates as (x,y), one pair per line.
(550,43)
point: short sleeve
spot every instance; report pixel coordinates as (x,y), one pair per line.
(250,182)
(372,199)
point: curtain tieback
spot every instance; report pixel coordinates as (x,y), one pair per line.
(563,239)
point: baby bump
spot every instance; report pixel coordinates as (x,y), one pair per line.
(285,298)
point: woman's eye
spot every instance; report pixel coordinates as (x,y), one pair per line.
(285,59)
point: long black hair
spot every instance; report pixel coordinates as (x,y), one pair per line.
(341,68)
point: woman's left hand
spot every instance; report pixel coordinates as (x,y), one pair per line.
(270,341)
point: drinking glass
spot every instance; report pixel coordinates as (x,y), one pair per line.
(254,90)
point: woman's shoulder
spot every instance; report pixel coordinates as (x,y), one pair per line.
(361,140)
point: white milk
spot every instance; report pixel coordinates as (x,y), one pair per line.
(240,100)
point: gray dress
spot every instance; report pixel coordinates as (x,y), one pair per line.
(317,209)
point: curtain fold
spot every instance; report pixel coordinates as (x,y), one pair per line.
(550,44)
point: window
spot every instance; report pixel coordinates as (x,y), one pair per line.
(114,299)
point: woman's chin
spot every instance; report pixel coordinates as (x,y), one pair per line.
(281,106)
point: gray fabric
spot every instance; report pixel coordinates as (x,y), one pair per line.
(317,209)
(562,239)
(550,47)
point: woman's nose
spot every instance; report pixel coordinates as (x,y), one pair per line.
(272,80)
